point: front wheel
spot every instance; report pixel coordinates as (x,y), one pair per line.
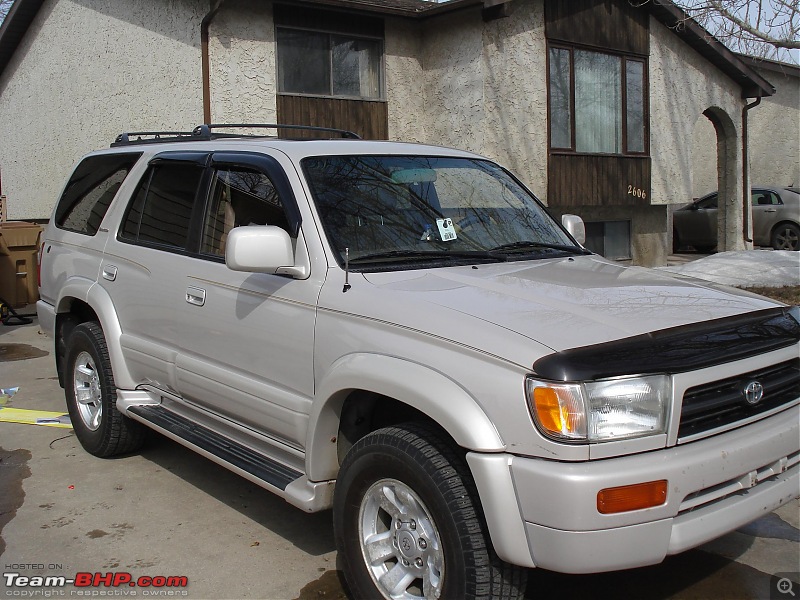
(408,523)
(91,396)
(786,237)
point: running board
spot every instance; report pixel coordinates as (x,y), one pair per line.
(222,450)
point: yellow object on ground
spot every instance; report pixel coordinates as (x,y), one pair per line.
(35,417)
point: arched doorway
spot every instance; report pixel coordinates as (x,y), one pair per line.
(730,203)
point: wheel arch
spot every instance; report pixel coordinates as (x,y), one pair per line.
(780,224)
(83,300)
(414,389)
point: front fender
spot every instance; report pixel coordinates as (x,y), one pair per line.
(428,391)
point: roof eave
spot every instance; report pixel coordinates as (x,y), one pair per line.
(14,28)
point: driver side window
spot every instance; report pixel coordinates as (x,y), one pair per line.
(239,197)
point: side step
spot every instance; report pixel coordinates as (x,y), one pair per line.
(228,453)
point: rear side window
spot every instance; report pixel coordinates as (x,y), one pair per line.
(162,208)
(90,191)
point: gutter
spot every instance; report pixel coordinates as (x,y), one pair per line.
(205,59)
(747,219)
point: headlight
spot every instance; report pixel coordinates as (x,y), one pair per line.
(600,411)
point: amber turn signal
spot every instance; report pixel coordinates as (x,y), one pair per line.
(632,497)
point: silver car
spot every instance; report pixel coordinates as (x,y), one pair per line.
(776,220)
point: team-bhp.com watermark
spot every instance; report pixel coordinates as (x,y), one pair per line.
(86,584)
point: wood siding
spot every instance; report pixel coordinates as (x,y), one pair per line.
(369,119)
(610,24)
(598,180)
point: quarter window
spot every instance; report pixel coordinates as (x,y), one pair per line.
(597,102)
(90,191)
(327,64)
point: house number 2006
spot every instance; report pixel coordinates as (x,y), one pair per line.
(635,191)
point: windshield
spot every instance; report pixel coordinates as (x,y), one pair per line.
(389,212)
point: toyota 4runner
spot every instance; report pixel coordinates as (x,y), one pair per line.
(403,334)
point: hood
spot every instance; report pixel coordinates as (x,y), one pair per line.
(560,303)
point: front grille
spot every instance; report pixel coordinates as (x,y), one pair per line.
(721,403)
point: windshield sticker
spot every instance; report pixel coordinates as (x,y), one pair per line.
(446,230)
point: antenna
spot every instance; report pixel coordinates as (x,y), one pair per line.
(347,285)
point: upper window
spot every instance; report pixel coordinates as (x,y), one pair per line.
(239,197)
(90,191)
(162,208)
(597,102)
(327,64)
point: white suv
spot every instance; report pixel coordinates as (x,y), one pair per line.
(402,333)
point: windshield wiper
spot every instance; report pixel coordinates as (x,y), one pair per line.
(427,254)
(524,245)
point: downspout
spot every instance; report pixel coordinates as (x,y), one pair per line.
(206,63)
(748,209)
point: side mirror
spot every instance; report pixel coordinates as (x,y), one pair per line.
(261,249)
(574,225)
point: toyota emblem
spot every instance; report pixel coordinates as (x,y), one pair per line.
(753,392)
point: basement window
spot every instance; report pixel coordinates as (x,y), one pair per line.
(611,239)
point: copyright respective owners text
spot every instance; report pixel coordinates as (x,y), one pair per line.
(785,585)
(54,580)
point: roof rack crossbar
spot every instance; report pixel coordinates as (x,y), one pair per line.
(207,129)
(205,133)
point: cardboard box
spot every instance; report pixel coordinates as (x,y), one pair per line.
(19,250)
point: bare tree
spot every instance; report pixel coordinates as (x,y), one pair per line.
(761,28)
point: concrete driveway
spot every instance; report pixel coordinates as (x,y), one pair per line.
(167,512)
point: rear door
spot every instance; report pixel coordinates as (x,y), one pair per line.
(766,204)
(144,266)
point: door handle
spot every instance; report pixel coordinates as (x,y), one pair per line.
(771,210)
(196,296)
(109,272)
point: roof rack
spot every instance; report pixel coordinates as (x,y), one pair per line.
(152,137)
(207,129)
(206,132)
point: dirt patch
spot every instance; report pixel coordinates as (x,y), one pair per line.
(9,352)
(789,294)
(13,470)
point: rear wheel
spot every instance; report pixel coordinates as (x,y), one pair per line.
(408,522)
(786,236)
(91,396)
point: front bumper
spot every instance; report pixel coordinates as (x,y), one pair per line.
(715,486)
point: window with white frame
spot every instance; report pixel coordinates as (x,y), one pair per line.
(329,64)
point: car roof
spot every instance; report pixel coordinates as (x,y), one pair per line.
(294,149)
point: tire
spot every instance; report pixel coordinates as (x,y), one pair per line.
(786,236)
(92,395)
(411,492)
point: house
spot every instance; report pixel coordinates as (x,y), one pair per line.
(594,104)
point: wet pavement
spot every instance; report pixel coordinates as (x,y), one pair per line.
(167,511)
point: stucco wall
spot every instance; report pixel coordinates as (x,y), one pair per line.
(774,132)
(404,83)
(86,71)
(683,86)
(486,88)
(243,67)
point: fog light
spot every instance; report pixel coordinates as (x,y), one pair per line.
(632,497)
